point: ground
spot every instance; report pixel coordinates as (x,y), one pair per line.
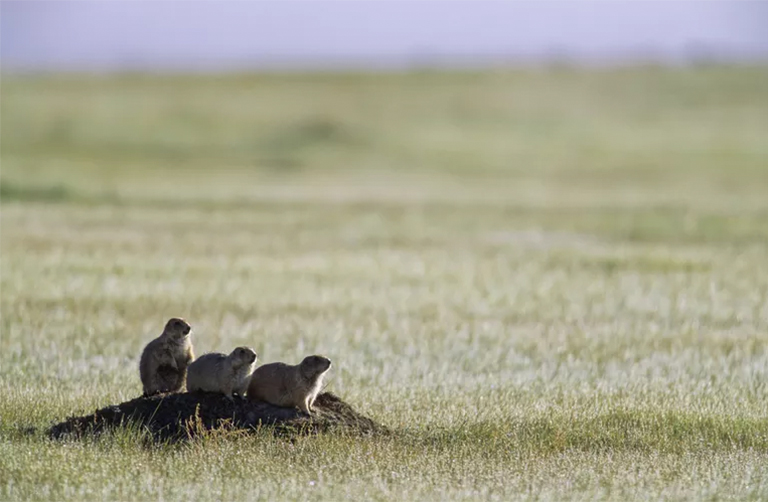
(546,283)
(185,416)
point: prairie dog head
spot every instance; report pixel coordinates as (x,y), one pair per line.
(177,329)
(243,356)
(314,366)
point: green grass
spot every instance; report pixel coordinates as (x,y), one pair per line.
(551,284)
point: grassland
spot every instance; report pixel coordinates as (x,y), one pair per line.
(552,284)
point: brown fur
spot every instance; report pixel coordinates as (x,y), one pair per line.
(288,385)
(164,361)
(217,372)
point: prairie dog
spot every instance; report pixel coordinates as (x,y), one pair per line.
(164,361)
(288,385)
(217,372)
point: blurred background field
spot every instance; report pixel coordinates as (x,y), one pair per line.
(671,141)
(562,137)
(551,280)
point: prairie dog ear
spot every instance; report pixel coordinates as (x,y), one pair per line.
(177,326)
(317,361)
(246,353)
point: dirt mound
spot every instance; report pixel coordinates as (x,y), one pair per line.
(182,416)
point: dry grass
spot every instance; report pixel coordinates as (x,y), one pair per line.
(551,284)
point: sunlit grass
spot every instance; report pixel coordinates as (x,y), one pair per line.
(549,285)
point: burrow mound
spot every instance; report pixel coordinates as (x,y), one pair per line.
(182,416)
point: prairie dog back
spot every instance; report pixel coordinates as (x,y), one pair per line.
(227,374)
(164,360)
(288,385)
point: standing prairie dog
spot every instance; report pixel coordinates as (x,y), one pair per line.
(164,361)
(288,385)
(217,372)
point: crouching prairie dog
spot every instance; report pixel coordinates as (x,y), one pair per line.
(288,385)
(164,361)
(222,373)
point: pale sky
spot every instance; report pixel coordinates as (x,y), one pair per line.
(206,34)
